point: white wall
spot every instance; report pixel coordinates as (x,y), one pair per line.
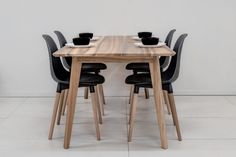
(209,54)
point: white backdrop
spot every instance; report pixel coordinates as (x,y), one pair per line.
(209,54)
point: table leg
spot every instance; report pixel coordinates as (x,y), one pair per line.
(157,89)
(74,82)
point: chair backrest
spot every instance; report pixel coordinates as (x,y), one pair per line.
(164,61)
(57,70)
(174,67)
(169,37)
(61,38)
(62,41)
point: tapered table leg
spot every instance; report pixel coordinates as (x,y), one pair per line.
(157,89)
(74,82)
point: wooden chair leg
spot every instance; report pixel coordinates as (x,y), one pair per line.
(146,93)
(131,102)
(65,102)
(131,93)
(95,112)
(86,91)
(174,115)
(99,93)
(60,107)
(165,94)
(54,115)
(102,94)
(133,115)
(98,106)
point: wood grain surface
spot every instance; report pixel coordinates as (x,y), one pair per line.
(117,46)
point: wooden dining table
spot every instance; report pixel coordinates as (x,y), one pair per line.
(115,49)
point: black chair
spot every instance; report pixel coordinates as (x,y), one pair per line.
(62,77)
(164,60)
(86,67)
(168,77)
(144,67)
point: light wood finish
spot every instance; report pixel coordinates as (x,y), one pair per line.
(98,105)
(60,107)
(54,115)
(86,92)
(102,94)
(95,114)
(101,98)
(165,94)
(131,93)
(174,115)
(113,49)
(65,102)
(157,90)
(133,116)
(74,82)
(146,91)
(131,101)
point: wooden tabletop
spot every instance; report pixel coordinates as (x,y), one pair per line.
(119,46)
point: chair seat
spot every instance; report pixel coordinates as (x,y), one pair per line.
(141,80)
(91,80)
(86,80)
(93,67)
(138,67)
(144,80)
